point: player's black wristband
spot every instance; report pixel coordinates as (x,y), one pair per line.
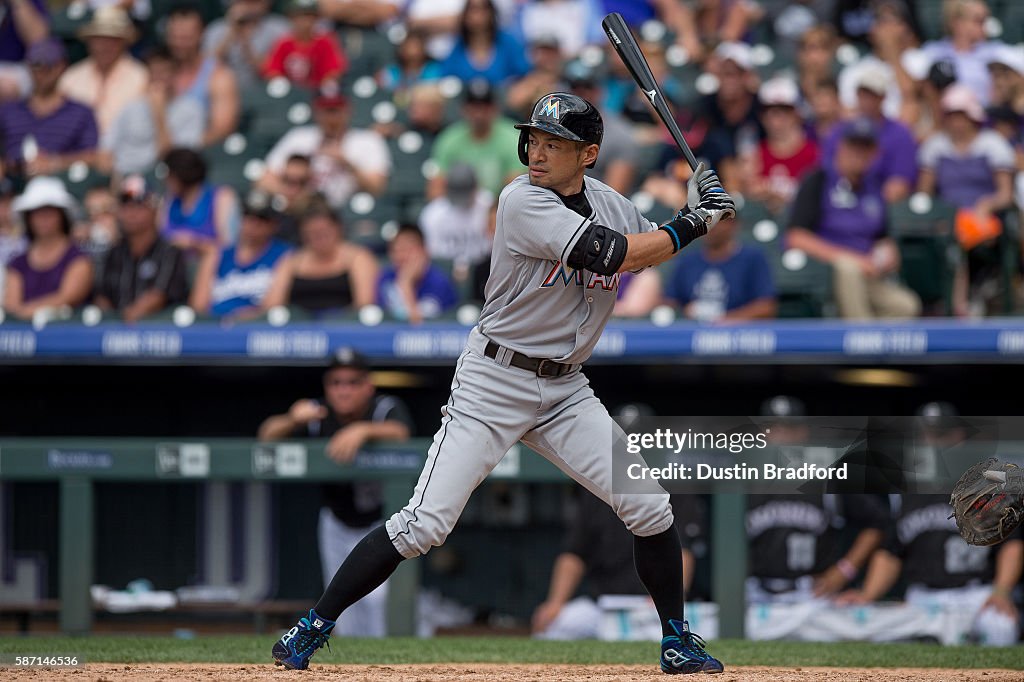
(684,228)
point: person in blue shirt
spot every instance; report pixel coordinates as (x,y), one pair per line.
(724,280)
(411,288)
(233,282)
(483,49)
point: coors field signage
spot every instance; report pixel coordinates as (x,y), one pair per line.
(794,455)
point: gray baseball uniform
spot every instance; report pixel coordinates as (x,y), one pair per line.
(539,307)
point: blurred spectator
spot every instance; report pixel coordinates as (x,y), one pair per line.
(971,168)
(825,110)
(598,549)
(233,282)
(924,550)
(306,55)
(479,274)
(197,216)
(893,168)
(351,414)
(720,21)
(345,160)
(47,132)
(1006,68)
(965,164)
(815,59)
(967,45)
(411,288)
(437,22)
(569,24)
(201,77)
(797,553)
(12,235)
(455,224)
(139,10)
(775,167)
(412,66)
(244,36)
(890,35)
(98,232)
(483,50)
(22,23)
(361,13)
(854,19)
(616,165)
(296,192)
(727,121)
(152,124)
(676,16)
(723,280)
(931,84)
(624,97)
(839,217)
(109,78)
(327,273)
(53,272)
(545,77)
(638,293)
(483,138)
(143,274)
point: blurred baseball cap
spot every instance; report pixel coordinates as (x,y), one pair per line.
(260,204)
(578,74)
(461,184)
(737,53)
(860,130)
(479,91)
(1004,113)
(1009,56)
(135,190)
(302,7)
(942,74)
(874,80)
(546,40)
(329,97)
(960,98)
(46,52)
(779,91)
(783,406)
(348,358)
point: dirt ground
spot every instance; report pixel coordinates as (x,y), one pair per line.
(487,672)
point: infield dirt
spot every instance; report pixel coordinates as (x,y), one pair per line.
(491,672)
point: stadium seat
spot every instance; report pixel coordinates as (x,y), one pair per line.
(407,185)
(368,51)
(272,109)
(759,226)
(803,285)
(79,178)
(227,163)
(923,230)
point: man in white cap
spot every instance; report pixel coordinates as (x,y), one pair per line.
(109,78)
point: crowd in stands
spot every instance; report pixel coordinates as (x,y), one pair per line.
(326,155)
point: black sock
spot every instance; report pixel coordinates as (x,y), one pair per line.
(659,563)
(364,570)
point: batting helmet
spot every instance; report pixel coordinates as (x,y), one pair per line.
(567,116)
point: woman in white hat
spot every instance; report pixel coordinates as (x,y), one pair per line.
(53,272)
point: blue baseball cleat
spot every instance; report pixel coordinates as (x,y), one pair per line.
(683,653)
(298,645)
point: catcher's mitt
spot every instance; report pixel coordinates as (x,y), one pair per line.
(988,501)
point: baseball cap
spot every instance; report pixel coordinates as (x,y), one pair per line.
(461,184)
(942,74)
(779,91)
(480,91)
(545,40)
(1009,56)
(348,358)
(873,80)
(860,130)
(259,204)
(738,53)
(960,98)
(329,97)
(302,7)
(783,406)
(135,190)
(577,74)
(46,52)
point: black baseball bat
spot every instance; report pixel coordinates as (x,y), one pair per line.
(631,55)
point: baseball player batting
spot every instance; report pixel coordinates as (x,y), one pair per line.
(561,242)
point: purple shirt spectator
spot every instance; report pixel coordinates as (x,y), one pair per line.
(39,283)
(897,152)
(71,128)
(962,179)
(852,217)
(12,49)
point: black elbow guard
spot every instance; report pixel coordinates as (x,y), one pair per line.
(599,249)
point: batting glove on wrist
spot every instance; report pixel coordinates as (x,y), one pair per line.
(707,200)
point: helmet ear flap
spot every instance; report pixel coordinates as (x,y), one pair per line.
(524,138)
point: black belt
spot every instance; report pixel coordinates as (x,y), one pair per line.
(542,368)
